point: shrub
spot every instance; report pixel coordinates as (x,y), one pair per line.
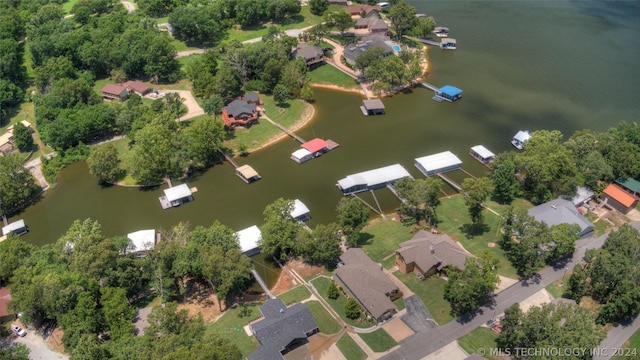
(352,309)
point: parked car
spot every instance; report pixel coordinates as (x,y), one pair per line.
(18,330)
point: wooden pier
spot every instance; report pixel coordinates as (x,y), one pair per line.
(449,181)
(228,158)
(286,131)
(377,203)
(428,42)
(262,284)
(366,203)
(332,144)
(429,86)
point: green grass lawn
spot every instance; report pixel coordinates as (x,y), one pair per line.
(350,349)
(230,326)
(559,287)
(431,291)
(381,239)
(322,284)
(68,5)
(480,338)
(326,323)
(261,133)
(633,344)
(297,294)
(518,203)
(378,340)
(453,219)
(599,226)
(187,59)
(328,74)
(162,20)
(399,303)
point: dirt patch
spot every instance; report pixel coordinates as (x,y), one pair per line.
(397,329)
(54,341)
(305,270)
(491,244)
(319,343)
(201,300)
(285,282)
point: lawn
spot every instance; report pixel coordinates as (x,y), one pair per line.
(378,340)
(350,349)
(559,287)
(326,323)
(187,59)
(297,294)
(230,326)
(599,226)
(25,112)
(259,134)
(328,74)
(399,303)
(453,219)
(630,347)
(382,237)
(322,284)
(480,338)
(68,5)
(431,291)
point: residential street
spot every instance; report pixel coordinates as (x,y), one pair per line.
(424,343)
(616,337)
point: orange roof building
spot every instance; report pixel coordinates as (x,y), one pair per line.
(617,198)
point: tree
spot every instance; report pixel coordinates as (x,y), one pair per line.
(22,138)
(280,94)
(423,26)
(352,309)
(340,20)
(322,245)
(226,271)
(503,175)
(332,291)
(15,352)
(200,143)
(470,288)
(104,163)
(564,238)
(88,348)
(279,230)
(422,198)
(403,18)
(117,312)
(213,105)
(13,253)
(476,191)
(318,7)
(17,186)
(550,326)
(152,152)
(525,242)
(352,217)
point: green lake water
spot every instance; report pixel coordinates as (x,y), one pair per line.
(522,65)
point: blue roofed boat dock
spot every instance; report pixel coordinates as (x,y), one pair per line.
(446,93)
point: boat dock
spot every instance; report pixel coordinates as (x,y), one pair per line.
(286,131)
(449,181)
(262,284)
(228,158)
(332,144)
(429,42)
(429,86)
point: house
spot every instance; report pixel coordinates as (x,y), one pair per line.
(561,211)
(482,154)
(247,173)
(364,281)
(300,211)
(616,197)
(16,227)
(428,253)
(372,107)
(438,163)
(372,179)
(137,87)
(374,24)
(352,52)
(281,329)
(115,92)
(141,241)
(249,240)
(239,113)
(630,185)
(357,10)
(6,143)
(582,196)
(176,196)
(252,98)
(311,53)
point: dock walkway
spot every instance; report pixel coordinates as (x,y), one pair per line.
(450,182)
(228,158)
(429,86)
(285,130)
(428,42)
(262,284)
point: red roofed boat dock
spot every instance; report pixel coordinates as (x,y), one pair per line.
(313,149)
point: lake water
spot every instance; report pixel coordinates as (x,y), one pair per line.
(522,65)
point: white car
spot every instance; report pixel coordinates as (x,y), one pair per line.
(18,330)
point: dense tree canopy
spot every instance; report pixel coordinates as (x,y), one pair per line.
(352,217)
(472,287)
(104,163)
(279,229)
(422,197)
(17,186)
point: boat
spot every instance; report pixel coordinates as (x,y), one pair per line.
(519,139)
(441,31)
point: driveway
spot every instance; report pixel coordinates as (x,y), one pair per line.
(417,317)
(38,349)
(188,100)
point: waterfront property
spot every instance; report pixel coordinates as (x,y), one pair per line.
(561,211)
(311,53)
(176,196)
(429,253)
(440,31)
(247,174)
(312,149)
(615,197)
(300,211)
(16,227)
(482,154)
(368,10)
(372,179)
(520,138)
(281,329)
(449,93)
(249,240)
(372,107)
(373,24)
(353,51)
(115,92)
(364,280)
(448,44)
(431,165)
(240,113)
(141,241)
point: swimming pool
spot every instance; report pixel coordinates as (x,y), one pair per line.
(396,48)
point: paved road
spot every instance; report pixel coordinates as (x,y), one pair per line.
(423,344)
(616,338)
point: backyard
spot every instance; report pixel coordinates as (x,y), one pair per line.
(431,291)
(381,238)
(329,75)
(230,326)
(321,283)
(297,294)
(326,323)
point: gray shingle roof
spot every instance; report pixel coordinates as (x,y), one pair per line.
(251,97)
(237,107)
(281,326)
(353,51)
(309,51)
(560,211)
(445,251)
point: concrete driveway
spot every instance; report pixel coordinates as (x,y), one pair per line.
(188,100)
(38,349)
(417,317)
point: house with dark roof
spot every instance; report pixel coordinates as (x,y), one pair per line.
(312,54)
(281,329)
(364,280)
(373,24)
(252,98)
(561,211)
(630,185)
(240,113)
(353,51)
(115,92)
(617,198)
(358,9)
(137,87)
(428,253)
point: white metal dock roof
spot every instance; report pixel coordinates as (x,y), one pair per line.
(249,238)
(299,209)
(142,240)
(522,136)
(16,225)
(301,153)
(177,192)
(375,177)
(482,151)
(435,162)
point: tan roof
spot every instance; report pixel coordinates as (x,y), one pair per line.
(247,171)
(137,86)
(113,89)
(446,252)
(6,138)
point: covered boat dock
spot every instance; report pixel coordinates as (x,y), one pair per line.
(431,165)
(142,241)
(519,139)
(16,227)
(482,154)
(372,107)
(448,44)
(176,196)
(247,174)
(249,240)
(300,211)
(449,93)
(372,179)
